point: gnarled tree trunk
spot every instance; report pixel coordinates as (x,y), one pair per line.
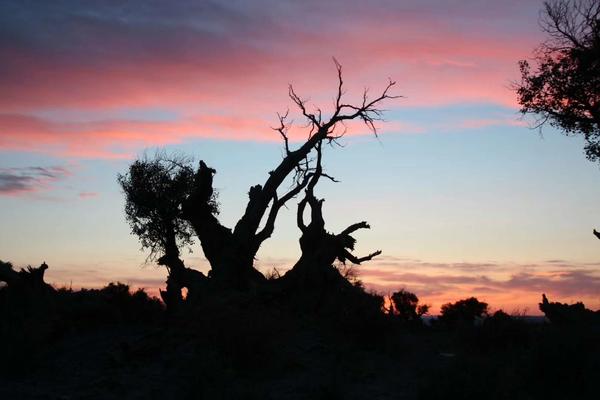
(231,253)
(179,276)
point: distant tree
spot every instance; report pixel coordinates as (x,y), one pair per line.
(29,278)
(564,87)
(465,310)
(568,314)
(406,306)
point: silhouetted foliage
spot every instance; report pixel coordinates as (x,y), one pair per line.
(28,279)
(466,310)
(568,314)
(405,306)
(154,190)
(114,303)
(35,315)
(564,88)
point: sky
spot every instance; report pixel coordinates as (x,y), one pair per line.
(463,197)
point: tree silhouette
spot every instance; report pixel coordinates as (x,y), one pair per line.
(465,310)
(406,306)
(154,190)
(567,314)
(564,90)
(29,279)
(165,198)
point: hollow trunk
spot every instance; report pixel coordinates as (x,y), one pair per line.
(179,277)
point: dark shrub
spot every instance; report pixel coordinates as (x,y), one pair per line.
(406,306)
(463,311)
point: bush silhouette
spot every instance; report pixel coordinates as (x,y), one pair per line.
(563,314)
(406,307)
(463,311)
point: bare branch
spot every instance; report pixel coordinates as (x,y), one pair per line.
(356,260)
(310,179)
(355,227)
(302,105)
(340,92)
(298,161)
(283,130)
(367,111)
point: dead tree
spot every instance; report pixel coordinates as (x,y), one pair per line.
(320,248)
(167,201)
(231,252)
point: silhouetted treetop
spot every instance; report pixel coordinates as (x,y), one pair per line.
(405,305)
(465,310)
(154,191)
(563,88)
(568,314)
(29,278)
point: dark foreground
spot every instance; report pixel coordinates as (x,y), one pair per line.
(111,344)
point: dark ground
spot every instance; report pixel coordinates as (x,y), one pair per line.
(109,344)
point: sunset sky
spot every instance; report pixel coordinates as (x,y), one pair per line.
(462,196)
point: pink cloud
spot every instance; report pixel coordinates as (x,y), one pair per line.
(107,63)
(123,138)
(120,138)
(232,66)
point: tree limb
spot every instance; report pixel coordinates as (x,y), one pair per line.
(356,260)
(355,227)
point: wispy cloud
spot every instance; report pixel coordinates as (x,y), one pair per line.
(30,180)
(122,138)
